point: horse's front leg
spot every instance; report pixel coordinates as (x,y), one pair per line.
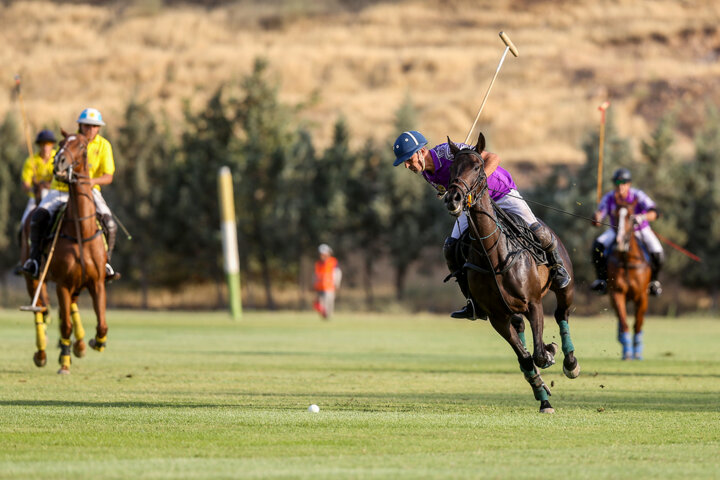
(641,305)
(618,302)
(512,335)
(97,291)
(64,302)
(543,355)
(78,344)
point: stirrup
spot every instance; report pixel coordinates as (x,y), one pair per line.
(561,277)
(470,312)
(655,288)
(110,273)
(31,267)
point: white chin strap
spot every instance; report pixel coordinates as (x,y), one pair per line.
(422,160)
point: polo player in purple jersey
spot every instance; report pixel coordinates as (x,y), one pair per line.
(645,212)
(434,164)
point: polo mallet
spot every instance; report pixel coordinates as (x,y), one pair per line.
(508,46)
(26,126)
(34,307)
(603,107)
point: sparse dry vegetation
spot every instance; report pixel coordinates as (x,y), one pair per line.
(649,57)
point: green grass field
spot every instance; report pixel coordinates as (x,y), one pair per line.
(194,395)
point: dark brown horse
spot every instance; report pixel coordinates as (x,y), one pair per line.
(504,277)
(628,278)
(79,256)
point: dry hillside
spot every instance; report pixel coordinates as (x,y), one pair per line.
(649,57)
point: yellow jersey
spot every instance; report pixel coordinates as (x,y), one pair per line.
(36,170)
(100,162)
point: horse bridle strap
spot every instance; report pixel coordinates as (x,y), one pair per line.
(471,196)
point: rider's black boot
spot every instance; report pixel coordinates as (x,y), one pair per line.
(600,263)
(38,228)
(548,242)
(470,311)
(656,262)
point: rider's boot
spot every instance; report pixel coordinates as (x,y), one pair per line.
(656,262)
(600,263)
(110,231)
(18,268)
(548,242)
(38,227)
(470,311)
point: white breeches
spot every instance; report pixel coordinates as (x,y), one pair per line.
(55,199)
(645,236)
(31,205)
(512,202)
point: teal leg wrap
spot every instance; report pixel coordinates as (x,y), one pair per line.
(522,338)
(567,345)
(533,378)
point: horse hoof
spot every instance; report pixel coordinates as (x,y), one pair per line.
(574,373)
(552,348)
(95,345)
(79,348)
(64,370)
(545,407)
(40,358)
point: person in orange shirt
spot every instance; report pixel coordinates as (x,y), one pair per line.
(327,280)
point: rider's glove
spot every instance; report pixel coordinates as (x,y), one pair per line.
(640,219)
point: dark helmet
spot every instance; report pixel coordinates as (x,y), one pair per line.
(622,175)
(406,145)
(45,136)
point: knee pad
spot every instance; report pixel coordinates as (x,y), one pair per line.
(109,223)
(546,237)
(40,218)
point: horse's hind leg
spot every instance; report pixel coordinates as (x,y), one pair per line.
(641,305)
(78,330)
(64,302)
(513,337)
(97,291)
(571,367)
(543,355)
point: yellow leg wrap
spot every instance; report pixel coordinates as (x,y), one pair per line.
(65,341)
(40,337)
(65,361)
(98,343)
(77,323)
(65,352)
(47,318)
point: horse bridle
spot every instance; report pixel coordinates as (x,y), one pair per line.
(470,195)
(73,163)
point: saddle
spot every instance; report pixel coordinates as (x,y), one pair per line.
(518,233)
(55,224)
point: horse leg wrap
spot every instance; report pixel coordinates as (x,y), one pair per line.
(77,323)
(627,346)
(98,343)
(638,346)
(40,337)
(521,335)
(567,345)
(540,390)
(65,352)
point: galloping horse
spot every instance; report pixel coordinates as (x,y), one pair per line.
(79,257)
(628,279)
(504,277)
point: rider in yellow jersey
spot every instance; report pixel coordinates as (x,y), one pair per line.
(101,165)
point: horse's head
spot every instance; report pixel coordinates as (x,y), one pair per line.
(468,181)
(625,223)
(71,160)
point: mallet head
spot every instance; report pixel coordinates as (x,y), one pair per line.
(509,43)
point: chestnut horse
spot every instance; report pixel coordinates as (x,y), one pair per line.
(504,277)
(628,279)
(79,256)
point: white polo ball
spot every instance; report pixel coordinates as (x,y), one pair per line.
(313,408)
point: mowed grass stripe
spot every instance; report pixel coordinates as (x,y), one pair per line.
(194,395)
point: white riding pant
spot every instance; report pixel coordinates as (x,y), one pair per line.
(31,205)
(645,236)
(512,202)
(55,199)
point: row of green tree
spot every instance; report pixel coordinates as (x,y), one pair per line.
(291,197)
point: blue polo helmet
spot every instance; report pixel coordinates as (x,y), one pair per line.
(45,136)
(622,175)
(91,116)
(406,145)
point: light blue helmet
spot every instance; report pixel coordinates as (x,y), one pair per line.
(406,145)
(91,116)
